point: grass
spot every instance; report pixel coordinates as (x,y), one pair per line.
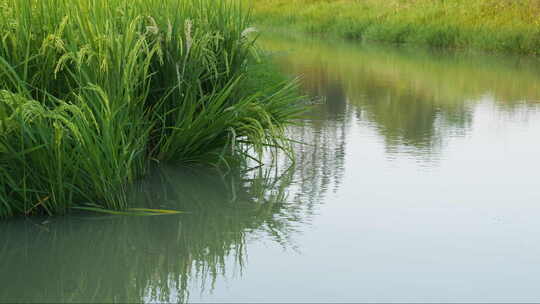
(91,91)
(490,25)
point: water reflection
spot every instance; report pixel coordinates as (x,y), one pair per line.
(383,225)
(148,259)
(414,98)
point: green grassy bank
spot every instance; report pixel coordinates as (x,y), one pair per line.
(92,91)
(490,25)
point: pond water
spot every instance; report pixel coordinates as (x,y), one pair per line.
(418,182)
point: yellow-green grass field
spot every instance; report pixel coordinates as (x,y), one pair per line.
(491,25)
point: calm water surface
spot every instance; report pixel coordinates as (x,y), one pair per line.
(419,181)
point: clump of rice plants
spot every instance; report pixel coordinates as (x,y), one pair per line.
(92,90)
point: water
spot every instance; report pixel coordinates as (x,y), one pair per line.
(419,183)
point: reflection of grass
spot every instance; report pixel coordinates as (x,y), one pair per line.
(409,94)
(444,78)
(135,259)
(495,25)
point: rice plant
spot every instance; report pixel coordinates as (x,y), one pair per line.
(92,90)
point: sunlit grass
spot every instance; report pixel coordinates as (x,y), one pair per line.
(493,25)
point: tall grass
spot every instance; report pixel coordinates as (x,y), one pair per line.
(492,25)
(91,90)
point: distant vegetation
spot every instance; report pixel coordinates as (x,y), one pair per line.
(492,25)
(92,91)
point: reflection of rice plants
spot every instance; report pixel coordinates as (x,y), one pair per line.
(148,258)
(90,91)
